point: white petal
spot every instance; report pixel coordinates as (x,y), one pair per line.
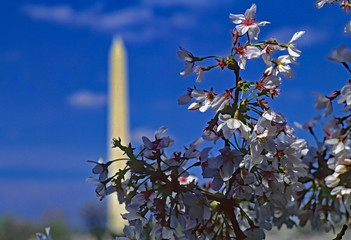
(242,29)
(236,18)
(187,69)
(200,76)
(97,169)
(263,23)
(328,110)
(244,130)
(284,59)
(184,54)
(289,74)
(233,123)
(251,12)
(267,59)
(224,117)
(320,3)
(339,147)
(160,131)
(293,51)
(184,99)
(47,230)
(348,100)
(252,52)
(253,32)
(194,106)
(286,71)
(198,94)
(205,106)
(227,132)
(242,62)
(296,36)
(220,126)
(336,190)
(332,141)
(147,143)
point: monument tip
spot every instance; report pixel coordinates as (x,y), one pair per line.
(117,40)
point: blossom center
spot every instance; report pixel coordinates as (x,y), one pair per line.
(182,179)
(249,21)
(210,95)
(240,50)
(269,49)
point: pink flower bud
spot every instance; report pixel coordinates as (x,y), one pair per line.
(346,161)
(332,180)
(340,169)
(194,106)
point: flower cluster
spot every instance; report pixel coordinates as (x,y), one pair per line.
(328,185)
(258,174)
(332,159)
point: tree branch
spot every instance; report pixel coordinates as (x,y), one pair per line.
(341,233)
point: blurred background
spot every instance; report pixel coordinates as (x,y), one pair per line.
(53,90)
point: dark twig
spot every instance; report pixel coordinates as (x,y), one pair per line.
(346,66)
(341,233)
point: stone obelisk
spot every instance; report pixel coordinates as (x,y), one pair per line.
(118,125)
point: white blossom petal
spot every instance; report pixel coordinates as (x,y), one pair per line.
(293,51)
(236,18)
(251,12)
(233,123)
(296,36)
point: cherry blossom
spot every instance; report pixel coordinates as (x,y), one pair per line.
(204,98)
(186,180)
(185,98)
(101,168)
(229,124)
(221,100)
(254,172)
(156,146)
(332,180)
(102,189)
(132,232)
(282,66)
(269,48)
(200,74)
(323,102)
(341,54)
(247,22)
(246,52)
(293,51)
(189,59)
(345,95)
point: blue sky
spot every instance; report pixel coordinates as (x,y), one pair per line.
(53,53)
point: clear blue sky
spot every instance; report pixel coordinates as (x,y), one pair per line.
(53,52)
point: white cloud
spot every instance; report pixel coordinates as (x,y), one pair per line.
(182,3)
(314,36)
(91,18)
(135,24)
(87,99)
(138,133)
